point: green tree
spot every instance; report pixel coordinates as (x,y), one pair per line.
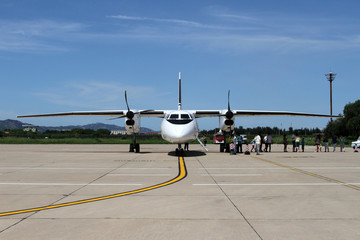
(349,125)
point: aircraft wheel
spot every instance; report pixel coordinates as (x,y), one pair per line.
(137,148)
(131,147)
(221,147)
(227,147)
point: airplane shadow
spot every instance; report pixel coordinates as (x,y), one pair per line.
(188,153)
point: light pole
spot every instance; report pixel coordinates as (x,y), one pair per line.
(330,77)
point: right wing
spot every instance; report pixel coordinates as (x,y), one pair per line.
(106,113)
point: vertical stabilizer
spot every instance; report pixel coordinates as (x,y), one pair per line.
(179,104)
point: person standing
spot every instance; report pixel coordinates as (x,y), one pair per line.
(240,140)
(232,148)
(257,140)
(266,142)
(204,139)
(317,143)
(303,144)
(269,140)
(253,145)
(334,142)
(285,143)
(297,143)
(235,143)
(186,147)
(293,141)
(326,143)
(342,144)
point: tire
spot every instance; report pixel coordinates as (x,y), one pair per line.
(227,147)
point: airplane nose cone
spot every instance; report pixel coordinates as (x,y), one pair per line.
(178,133)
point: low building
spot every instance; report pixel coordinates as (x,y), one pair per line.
(118,132)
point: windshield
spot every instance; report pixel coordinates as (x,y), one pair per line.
(183,118)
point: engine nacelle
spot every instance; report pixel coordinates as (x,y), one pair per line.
(226,124)
(132,125)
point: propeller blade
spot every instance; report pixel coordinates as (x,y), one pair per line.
(229,100)
(115,118)
(130,114)
(127,105)
(229,114)
(146,111)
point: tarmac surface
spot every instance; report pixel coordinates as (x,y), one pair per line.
(277,195)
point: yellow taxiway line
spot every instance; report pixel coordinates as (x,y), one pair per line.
(182,174)
(310,174)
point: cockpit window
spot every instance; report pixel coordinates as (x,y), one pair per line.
(175,119)
(174,116)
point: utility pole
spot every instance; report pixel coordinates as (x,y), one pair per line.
(330,77)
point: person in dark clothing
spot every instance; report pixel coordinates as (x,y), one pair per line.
(285,143)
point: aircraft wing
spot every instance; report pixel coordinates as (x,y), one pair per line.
(105,113)
(257,113)
(250,113)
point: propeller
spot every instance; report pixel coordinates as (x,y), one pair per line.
(130,114)
(229,114)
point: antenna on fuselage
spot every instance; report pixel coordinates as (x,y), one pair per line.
(179,104)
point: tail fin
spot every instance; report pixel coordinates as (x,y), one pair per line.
(179,104)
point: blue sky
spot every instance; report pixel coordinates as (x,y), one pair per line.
(58,56)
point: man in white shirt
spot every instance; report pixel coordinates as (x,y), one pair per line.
(257,140)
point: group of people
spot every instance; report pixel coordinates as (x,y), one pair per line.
(236,144)
(325,139)
(298,143)
(257,143)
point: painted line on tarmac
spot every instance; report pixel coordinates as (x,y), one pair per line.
(70,184)
(281,168)
(138,175)
(181,175)
(310,174)
(231,175)
(270,184)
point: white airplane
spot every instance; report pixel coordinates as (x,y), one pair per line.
(178,126)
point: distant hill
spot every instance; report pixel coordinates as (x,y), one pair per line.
(13,124)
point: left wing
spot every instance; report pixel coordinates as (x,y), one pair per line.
(252,113)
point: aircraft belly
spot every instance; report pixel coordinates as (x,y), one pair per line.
(179,133)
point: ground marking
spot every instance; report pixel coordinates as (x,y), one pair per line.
(270,184)
(181,175)
(310,174)
(70,184)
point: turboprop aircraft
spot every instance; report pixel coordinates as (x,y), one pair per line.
(178,126)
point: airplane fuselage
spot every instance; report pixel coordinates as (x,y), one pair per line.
(179,127)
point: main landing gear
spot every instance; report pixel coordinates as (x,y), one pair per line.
(179,151)
(134,147)
(224,147)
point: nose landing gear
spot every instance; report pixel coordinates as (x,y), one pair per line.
(179,151)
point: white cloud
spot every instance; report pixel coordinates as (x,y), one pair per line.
(97,95)
(40,35)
